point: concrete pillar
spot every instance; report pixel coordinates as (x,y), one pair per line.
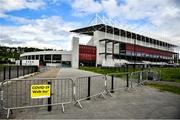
(75,52)
(97,44)
(113,50)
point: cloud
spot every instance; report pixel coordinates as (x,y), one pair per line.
(12,5)
(49,32)
(157,17)
(85,7)
(8,40)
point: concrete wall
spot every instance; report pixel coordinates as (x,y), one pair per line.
(75,52)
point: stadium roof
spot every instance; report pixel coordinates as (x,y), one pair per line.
(113,30)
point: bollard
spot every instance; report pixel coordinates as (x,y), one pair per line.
(89,88)
(112,84)
(127,80)
(49,101)
(4,73)
(9,72)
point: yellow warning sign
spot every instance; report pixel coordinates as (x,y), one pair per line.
(40,91)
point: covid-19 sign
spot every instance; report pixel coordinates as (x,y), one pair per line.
(40,91)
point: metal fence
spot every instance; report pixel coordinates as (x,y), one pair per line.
(116,81)
(10,72)
(87,87)
(17,94)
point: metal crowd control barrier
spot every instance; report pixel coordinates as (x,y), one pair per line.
(29,93)
(39,92)
(138,78)
(117,81)
(87,87)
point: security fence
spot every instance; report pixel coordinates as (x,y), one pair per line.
(39,92)
(10,72)
(116,81)
(28,93)
(87,87)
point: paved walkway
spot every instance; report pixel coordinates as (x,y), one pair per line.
(73,73)
(144,103)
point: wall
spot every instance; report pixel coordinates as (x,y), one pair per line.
(75,52)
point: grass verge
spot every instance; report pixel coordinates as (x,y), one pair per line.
(107,70)
(170,74)
(1,67)
(164,87)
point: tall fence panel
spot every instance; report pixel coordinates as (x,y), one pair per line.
(22,93)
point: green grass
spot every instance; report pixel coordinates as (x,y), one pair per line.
(163,87)
(107,70)
(170,74)
(167,74)
(1,67)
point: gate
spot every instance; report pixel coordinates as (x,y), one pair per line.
(29,93)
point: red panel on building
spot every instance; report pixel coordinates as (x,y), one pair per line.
(145,50)
(87,53)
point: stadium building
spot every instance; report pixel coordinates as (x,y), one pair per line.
(49,58)
(111,46)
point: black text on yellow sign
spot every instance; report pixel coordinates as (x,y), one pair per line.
(40,91)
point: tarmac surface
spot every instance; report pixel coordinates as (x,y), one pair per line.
(140,103)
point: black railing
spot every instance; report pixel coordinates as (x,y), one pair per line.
(10,72)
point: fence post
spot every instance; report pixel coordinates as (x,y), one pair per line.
(9,72)
(89,88)
(49,99)
(127,80)
(17,71)
(127,68)
(23,70)
(139,77)
(28,69)
(112,84)
(4,72)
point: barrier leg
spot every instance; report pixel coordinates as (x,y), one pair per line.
(8,112)
(63,108)
(102,95)
(78,102)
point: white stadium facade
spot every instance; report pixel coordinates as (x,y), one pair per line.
(110,46)
(49,58)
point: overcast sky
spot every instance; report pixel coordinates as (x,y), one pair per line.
(46,23)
